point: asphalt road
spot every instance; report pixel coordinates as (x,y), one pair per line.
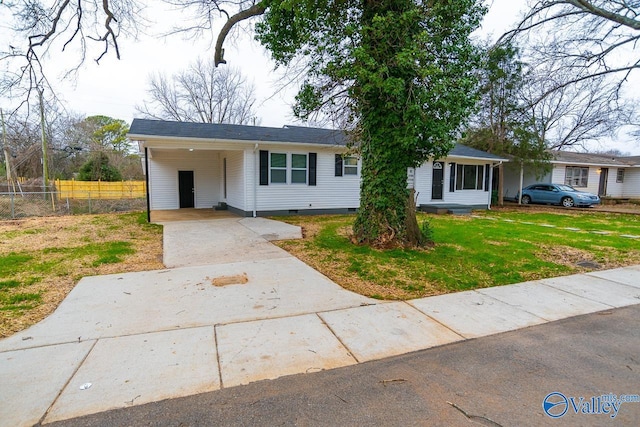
(500,380)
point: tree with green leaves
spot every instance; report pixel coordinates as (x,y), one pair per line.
(98,168)
(106,133)
(505,125)
(401,74)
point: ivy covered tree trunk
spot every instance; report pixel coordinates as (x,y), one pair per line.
(398,72)
(386,90)
(382,217)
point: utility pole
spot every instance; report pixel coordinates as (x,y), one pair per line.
(45,170)
(7,161)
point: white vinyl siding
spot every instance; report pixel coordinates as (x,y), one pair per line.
(163,177)
(424,177)
(330,192)
(631,187)
(235,179)
(559,173)
(614,188)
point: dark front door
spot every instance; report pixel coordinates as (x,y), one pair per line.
(186,189)
(438,181)
(604,177)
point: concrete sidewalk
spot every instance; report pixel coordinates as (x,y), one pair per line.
(498,380)
(134,338)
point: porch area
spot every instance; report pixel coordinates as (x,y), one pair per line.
(449,208)
(189,214)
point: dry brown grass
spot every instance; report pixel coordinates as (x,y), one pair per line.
(332,264)
(35,236)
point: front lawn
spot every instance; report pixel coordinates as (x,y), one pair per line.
(487,249)
(42,259)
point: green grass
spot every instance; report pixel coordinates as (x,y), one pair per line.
(469,252)
(19,301)
(103,253)
(42,259)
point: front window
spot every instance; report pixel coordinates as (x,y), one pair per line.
(469,177)
(278,168)
(298,168)
(350,165)
(576,176)
(620,175)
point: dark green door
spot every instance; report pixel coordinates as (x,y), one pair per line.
(438,181)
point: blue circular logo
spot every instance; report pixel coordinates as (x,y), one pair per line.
(555,404)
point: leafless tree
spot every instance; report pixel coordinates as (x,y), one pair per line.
(577,114)
(581,55)
(202,93)
(37,29)
(588,38)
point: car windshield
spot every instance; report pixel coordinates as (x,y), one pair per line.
(566,188)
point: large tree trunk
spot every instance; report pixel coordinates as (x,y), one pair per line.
(384,198)
(383,91)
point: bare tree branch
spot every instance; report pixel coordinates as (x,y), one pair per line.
(255,10)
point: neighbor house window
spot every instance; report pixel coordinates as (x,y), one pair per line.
(469,177)
(620,175)
(278,168)
(576,176)
(298,168)
(350,165)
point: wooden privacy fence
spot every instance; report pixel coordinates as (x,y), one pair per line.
(100,189)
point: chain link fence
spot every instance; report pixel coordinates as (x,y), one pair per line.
(15,205)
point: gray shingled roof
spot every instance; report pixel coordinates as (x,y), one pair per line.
(464,151)
(287,134)
(633,160)
(304,135)
(595,159)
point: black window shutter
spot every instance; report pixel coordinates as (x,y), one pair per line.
(452,178)
(264,167)
(312,168)
(338,164)
(486,177)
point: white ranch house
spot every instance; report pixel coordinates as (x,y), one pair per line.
(604,175)
(257,171)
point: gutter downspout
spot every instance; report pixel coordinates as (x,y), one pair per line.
(493,165)
(256,177)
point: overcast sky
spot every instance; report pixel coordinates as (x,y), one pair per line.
(115,87)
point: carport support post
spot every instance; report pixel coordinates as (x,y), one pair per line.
(256,177)
(146,179)
(521,181)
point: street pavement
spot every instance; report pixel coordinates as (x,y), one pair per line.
(234,309)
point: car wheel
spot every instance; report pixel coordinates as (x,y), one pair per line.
(526,200)
(567,202)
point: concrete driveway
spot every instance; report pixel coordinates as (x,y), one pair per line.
(236,309)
